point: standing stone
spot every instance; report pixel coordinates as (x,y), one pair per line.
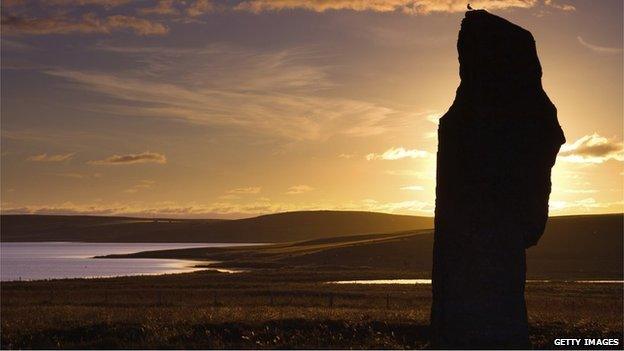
(497,145)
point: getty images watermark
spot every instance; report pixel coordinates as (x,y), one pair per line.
(586,342)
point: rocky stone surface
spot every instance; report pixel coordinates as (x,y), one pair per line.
(496,147)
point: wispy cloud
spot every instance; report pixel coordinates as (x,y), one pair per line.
(104,3)
(64,17)
(416,7)
(179,8)
(144,157)
(299,189)
(597,48)
(13,45)
(141,185)
(576,191)
(246,190)
(200,7)
(220,209)
(281,94)
(411,173)
(88,23)
(412,187)
(51,158)
(397,154)
(75,175)
(65,3)
(409,206)
(586,206)
(34,17)
(592,149)
(162,7)
(434,117)
(559,6)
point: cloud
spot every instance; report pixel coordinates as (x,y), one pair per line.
(162,7)
(103,3)
(592,149)
(412,187)
(51,158)
(434,117)
(563,7)
(65,3)
(11,45)
(397,154)
(600,49)
(246,190)
(346,156)
(88,24)
(404,6)
(411,173)
(220,209)
(579,191)
(586,206)
(229,197)
(200,7)
(67,16)
(172,8)
(141,185)
(144,157)
(167,209)
(281,94)
(299,189)
(410,206)
(78,175)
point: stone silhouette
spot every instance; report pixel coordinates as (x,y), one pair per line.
(497,145)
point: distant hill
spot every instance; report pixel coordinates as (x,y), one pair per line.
(572,247)
(590,245)
(281,227)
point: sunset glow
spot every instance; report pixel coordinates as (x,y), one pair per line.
(230,109)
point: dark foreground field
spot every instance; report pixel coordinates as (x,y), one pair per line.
(284,299)
(269,309)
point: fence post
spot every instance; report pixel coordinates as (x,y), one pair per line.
(160,298)
(331,300)
(271,298)
(214,299)
(387,301)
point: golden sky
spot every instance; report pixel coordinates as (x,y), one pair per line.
(231,109)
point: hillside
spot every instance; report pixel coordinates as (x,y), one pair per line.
(281,227)
(572,247)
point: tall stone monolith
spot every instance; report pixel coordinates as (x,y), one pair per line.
(496,147)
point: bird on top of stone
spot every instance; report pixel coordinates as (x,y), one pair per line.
(469,7)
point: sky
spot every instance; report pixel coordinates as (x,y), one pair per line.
(231,109)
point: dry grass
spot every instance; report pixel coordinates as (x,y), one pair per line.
(267,309)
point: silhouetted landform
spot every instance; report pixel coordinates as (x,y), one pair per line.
(497,145)
(290,305)
(281,227)
(573,247)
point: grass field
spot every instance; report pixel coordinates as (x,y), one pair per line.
(268,309)
(285,300)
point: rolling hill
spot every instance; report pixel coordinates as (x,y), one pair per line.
(572,247)
(281,227)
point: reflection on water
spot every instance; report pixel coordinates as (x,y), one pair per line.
(53,260)
(428,281)
(385,281)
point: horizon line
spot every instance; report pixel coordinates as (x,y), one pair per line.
(261,215)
